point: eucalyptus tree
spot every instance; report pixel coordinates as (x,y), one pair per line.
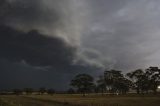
(139,79)
(83,82)
(116,82)
(154,76)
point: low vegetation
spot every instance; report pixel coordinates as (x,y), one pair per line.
(79,100)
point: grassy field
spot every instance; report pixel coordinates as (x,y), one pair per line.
(78,100)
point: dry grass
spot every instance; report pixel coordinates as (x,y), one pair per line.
(78,100)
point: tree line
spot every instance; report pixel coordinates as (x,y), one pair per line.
(29,91)
(113,81)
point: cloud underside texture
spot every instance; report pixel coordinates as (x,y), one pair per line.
(27,57)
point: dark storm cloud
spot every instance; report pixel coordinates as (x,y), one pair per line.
(61,18)
(34,48)
(29,58)
(20,75)
(28,13)
(34,60)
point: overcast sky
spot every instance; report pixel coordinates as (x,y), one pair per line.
(43,42)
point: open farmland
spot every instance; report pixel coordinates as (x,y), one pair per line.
(78,100)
